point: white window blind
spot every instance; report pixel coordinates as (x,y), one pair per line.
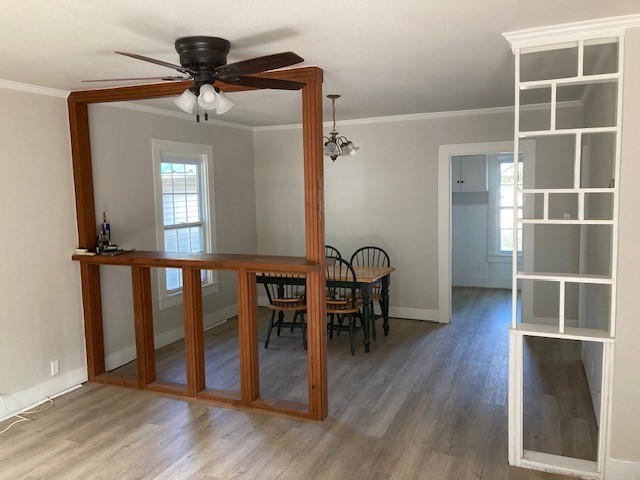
(184,220)
(505,199)
(182,212)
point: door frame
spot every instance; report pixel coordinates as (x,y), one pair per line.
(445,152)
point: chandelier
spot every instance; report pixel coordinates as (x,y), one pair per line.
(336,145)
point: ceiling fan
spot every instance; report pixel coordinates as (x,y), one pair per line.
(204,60)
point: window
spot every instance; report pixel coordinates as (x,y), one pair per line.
(183,221)
(500,203)
(505,199)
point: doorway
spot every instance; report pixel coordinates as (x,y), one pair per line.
(471,179)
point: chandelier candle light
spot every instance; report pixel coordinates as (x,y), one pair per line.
(336,145)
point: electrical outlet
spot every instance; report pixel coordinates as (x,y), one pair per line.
(566,216)
(55,367)
(477,270)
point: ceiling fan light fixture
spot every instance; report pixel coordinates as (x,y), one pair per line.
(224,103)
(186,101)
(208,98)
(203,60)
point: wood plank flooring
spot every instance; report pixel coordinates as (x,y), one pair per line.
(428,402)
(559,415)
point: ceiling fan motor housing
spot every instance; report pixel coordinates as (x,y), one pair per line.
(201,53)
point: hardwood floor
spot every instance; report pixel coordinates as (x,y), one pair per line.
(428,402)
(559,416)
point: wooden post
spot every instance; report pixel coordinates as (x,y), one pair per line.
(92,310)
(143,317)
(87,236)
(314,234)
(193,330)
(248,337)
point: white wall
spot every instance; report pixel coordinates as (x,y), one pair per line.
(625,428)
(40,304)
(470,266)
(124,188)
(386,196)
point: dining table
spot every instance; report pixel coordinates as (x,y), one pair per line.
(367,278)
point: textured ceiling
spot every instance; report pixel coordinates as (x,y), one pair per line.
(385,58)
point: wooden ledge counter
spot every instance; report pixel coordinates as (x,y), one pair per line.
(207,261)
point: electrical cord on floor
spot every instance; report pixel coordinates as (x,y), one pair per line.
(20,416)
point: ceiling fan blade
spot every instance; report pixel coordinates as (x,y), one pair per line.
(158,62)
(168,79)
(258,64)
(260,82)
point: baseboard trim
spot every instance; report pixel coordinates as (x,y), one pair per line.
(127,354)
(415,314)
(407,313)
(622,469)
(34,396)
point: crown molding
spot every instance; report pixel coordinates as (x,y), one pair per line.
(422,116)
(571,32)
(171,113)
(26,87)
(395,118)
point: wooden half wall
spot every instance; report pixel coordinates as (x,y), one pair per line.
(247,317)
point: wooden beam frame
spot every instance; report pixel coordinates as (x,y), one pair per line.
(247,308)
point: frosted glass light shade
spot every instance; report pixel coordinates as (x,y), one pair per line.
(330,149)
(208,98)
(186,101)
(350,149)
(224,103)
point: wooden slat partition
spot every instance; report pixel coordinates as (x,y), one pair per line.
(246,266)
(193,329)
(143,319)
(248,337)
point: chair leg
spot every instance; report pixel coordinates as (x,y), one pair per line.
(373,321)
(352,342)
(331,325)
(295,316)
(304,330)
(279,322)
(273,316)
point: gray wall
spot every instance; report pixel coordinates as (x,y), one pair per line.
(40,304)
(625,428)
(386,195)
(124,188)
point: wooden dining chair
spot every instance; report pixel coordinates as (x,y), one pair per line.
(331,252)
(286,296)
(372,257)
(343,306)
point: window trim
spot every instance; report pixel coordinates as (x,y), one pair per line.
(201,155)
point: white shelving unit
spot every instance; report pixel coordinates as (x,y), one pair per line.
(570,36)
